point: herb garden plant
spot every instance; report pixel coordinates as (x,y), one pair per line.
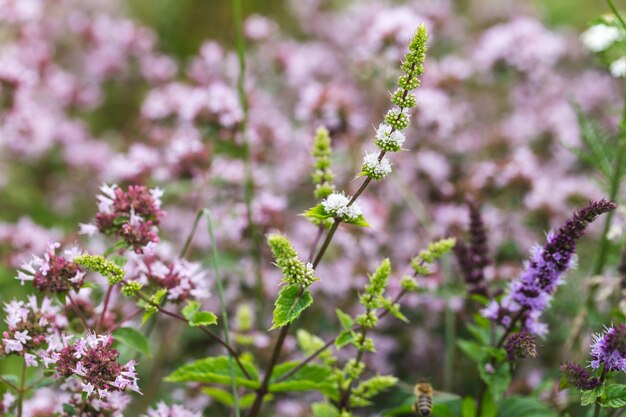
(242,262)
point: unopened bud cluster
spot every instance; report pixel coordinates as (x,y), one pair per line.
(322,174)
(294,270)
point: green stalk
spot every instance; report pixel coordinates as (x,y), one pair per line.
(22,391)
(616,178)
(220,293)
(255,238)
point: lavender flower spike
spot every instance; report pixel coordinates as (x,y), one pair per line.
(529,295)
(609,349)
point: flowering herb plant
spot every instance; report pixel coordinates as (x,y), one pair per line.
(276,227)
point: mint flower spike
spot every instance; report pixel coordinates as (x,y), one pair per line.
(293,269)
(389,137)
(322,174)
(530,294)
(609,349)
(435,251)
(98,263)
(375,290)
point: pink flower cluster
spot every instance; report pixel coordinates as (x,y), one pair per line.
(132,215)
(32,330)
(53,273)
(182,279)
(92,360)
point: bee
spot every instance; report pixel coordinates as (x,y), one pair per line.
(424,405)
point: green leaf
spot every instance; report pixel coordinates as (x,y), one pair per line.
(196,317)
(226,397)
(347,322)
(358,221)
(310,377)
(133,339)
(614,396)
(324,410)
(498,381)
(317,213)
(473,350)
(393,309)
(524,407)
(481,334)
(468,407)
(69,409)
(588,397)
(344,338)
(599,150)
(290,304)
(215,370)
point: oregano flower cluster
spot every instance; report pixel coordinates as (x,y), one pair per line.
(133,215)
(93,361)
(52,273)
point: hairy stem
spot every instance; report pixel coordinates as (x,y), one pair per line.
(107,298)
(596,411)
(329,237)
(320,232)
(21,391)
(263,389)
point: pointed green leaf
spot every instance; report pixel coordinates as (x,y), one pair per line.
(196,317)
(133,339)
(346,320)
(346,337)
(290,304)
(215,370)
(324,410)
(614,396)
(311,377)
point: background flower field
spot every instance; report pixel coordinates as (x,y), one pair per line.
(152,94)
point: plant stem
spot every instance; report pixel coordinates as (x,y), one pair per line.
(77,311)
(344,399)
(260,393)
(320,232)
(205,330)
(329,237)
(10,384)
(483,387)
(596,412)
(220,292)
(21,391)
(107,297)
(183,251)
(247,156)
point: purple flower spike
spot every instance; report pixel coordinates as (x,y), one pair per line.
(578,377)
(529,295)
(609,349)
(520,346)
